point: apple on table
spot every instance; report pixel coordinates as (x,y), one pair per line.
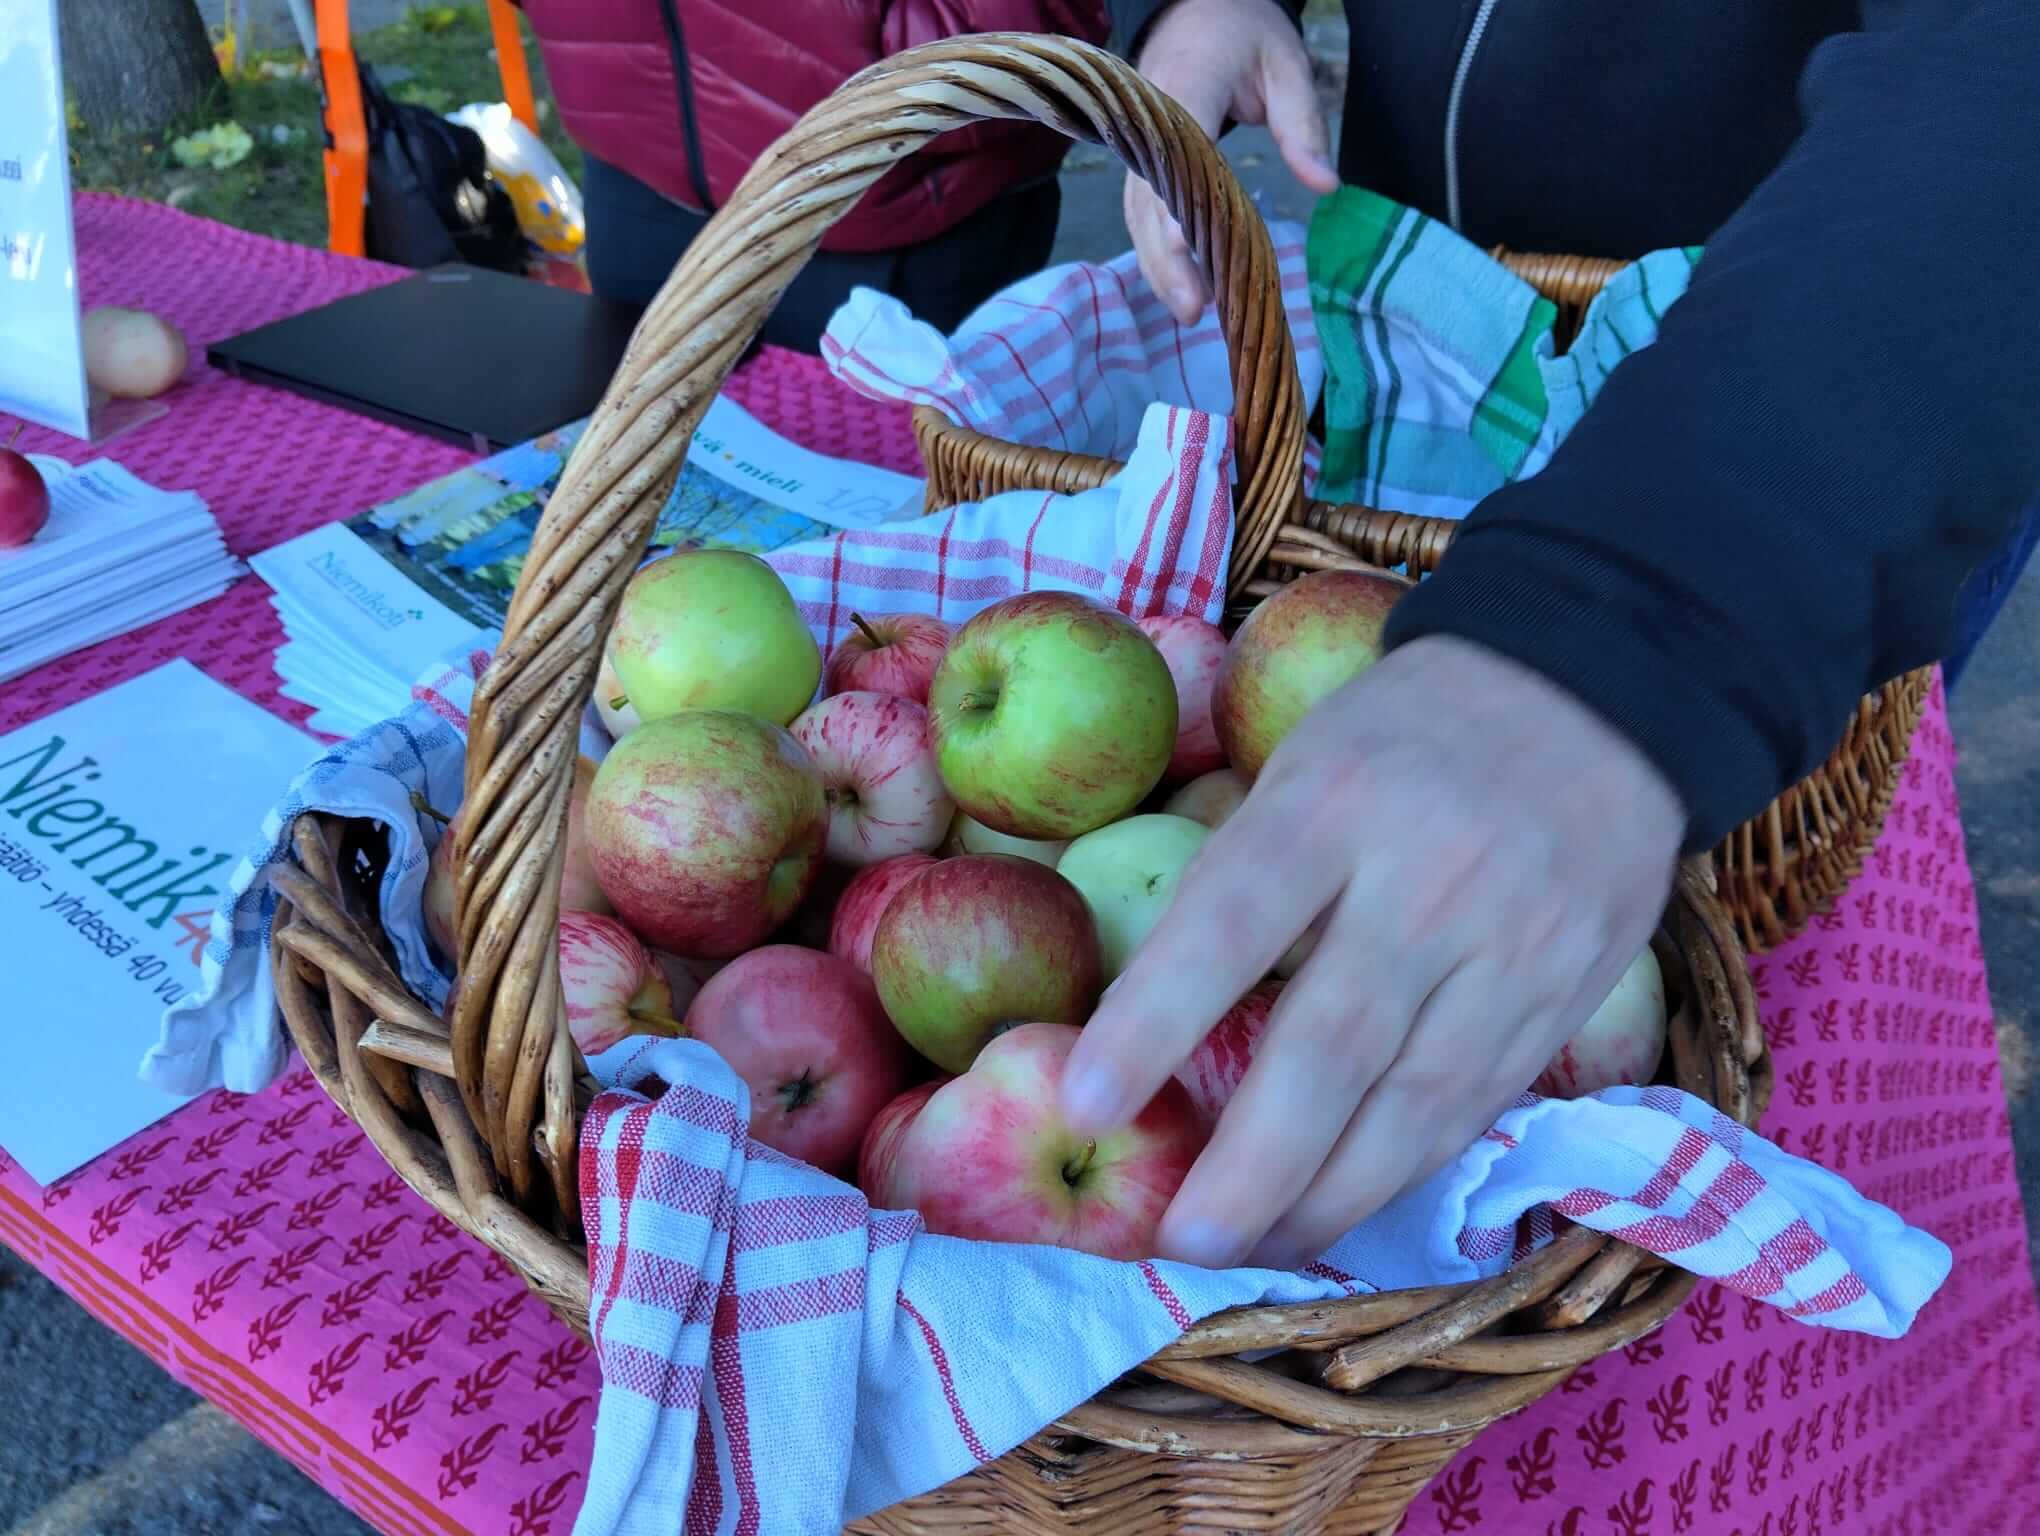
(24,498)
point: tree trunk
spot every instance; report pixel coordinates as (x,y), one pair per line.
(136,67)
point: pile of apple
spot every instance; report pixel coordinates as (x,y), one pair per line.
(891,909)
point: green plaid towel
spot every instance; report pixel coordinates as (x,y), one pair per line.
(1442,383)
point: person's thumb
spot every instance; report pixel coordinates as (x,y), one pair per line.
(1294,120)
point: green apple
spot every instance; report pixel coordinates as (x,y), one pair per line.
(1127,875)
(713,629)
(1051,716)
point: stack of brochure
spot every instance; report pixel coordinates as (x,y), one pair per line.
(116,554)
(369,605)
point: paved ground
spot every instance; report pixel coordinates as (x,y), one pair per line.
(98,1442)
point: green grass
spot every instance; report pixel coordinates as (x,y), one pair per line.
(446,58)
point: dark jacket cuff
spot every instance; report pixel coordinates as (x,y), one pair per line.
(1578,616)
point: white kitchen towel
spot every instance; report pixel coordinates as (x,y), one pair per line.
(1070,358)
(1154,540)
(779,1357)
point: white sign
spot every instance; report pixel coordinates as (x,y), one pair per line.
(121,821)
(42,361)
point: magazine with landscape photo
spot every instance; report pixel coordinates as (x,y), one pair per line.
(370,603)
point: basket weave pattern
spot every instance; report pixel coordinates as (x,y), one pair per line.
(1363,1399)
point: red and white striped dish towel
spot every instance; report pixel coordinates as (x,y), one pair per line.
(1155,539)
(778,1357)
(1070,358)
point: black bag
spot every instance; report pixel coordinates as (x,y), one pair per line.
(431,199)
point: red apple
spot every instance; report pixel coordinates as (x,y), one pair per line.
(1211,799)
(881,1144)
(1222,1057)
(612,987)
(894,653)
(978,944)
(1307,641)
(1194,651)
(989,1156)
(24,499)
(805,1032)
(863,902)
(1051,715)
(580,891)
(706,830)
(878,769)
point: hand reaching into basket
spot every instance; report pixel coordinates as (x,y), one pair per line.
(1483,873)
(1220,59)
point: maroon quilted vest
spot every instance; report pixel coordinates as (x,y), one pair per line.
(755,66)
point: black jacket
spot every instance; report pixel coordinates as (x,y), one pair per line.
(1771,510)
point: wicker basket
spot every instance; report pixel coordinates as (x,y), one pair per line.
(1362,1400)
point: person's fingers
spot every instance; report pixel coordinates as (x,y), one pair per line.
(1165,259)
(1427,1107)
(1233,913)
(1377,1154)
(1334,1031)
(1294,118)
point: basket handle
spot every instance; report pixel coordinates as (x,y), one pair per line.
(513,1057)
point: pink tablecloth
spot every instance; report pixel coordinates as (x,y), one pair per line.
(260,1251)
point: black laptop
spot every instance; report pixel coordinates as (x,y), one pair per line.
(477,357)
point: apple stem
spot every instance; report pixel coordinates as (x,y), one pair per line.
(868,632)
(668,1025)
(424,807)
(976,701)
(796,1094)
(1074,1169)
(16,437)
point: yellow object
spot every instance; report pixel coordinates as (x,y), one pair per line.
(547,201)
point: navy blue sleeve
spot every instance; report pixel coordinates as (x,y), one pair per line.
(1770,511)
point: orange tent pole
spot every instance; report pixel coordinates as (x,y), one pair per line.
(511,63)
(346,154)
